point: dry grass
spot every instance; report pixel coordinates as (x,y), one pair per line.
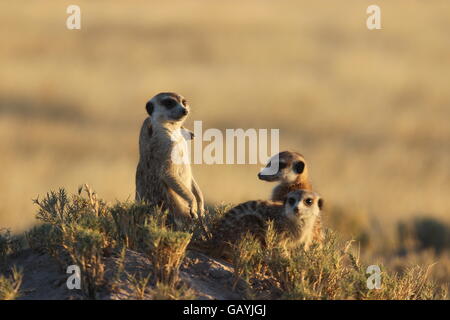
(369,109)
(10,286)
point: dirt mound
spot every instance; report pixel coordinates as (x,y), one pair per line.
(44,279)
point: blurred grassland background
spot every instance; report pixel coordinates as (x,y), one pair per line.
(370,110)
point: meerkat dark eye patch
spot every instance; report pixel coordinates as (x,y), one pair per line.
(320,203)
(282,165)
(299,167)
(169,103)
(291,201)
(149,107)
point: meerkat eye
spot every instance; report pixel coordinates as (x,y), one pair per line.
(169,103)
(299,167)
(309,202)
(291,201)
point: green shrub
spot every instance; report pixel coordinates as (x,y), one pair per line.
(45,238)
(246,258)
(166,250)
(9,245)
(129,217)
(10,287)
(85,247)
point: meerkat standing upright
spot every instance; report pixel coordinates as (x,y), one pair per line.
(163,175)
(293,222)
(290,170)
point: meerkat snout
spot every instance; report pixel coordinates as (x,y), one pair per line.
(287,167)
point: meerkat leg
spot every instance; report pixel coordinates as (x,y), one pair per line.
(182,191)
(140,188)
(199,196)
(178,209)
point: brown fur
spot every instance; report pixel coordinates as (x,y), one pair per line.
(301,182)
(159,180)
(253,217)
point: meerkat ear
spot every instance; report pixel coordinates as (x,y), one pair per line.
(320,203)
(299,167)
(150,107)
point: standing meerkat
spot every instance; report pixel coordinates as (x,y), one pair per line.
(293,222)
(163,175)
(290,170)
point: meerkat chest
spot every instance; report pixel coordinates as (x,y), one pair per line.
(180,156)
(307,230)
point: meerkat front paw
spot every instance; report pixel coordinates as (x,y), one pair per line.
(193,209)
(193,213)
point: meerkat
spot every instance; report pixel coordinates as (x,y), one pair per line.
(293,222)
(163,175)
(291,171)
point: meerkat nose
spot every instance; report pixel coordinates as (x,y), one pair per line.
(185,112)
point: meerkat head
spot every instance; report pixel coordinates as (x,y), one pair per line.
(286,167)
(168,107)
(301,204)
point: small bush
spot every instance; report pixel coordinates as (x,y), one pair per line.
(10,287)
(129,217)
(9,245)
(85,247)
(139,284)
(245,258)
(166,292)
(201,231)
(424,233)
(166,249)
(45,238)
